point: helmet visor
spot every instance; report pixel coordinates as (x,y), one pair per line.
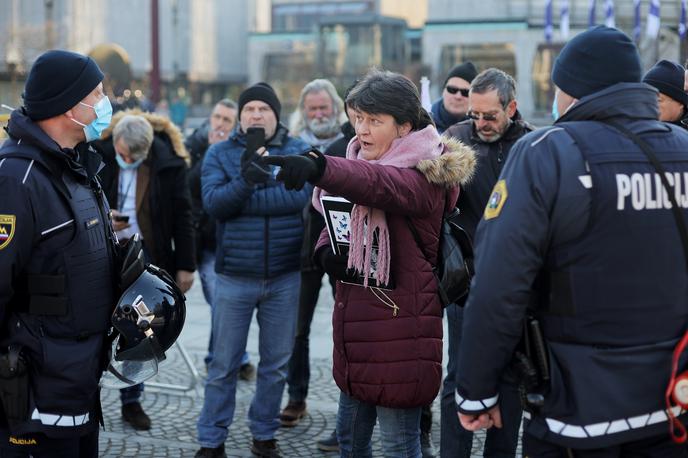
(122,373)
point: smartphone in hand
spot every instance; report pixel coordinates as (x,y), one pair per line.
(255,138)
(121,218)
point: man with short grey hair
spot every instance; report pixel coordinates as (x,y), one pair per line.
(319,115)
(134,134)
(494,125)
(145,182)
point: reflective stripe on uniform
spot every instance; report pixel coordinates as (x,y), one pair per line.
(59,420)
(475,406)
(608,427)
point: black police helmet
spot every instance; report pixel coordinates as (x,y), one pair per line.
(149,316)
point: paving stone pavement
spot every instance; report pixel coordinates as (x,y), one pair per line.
(174,411)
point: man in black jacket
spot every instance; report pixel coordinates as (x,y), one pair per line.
(453,105)
(580,208)
(668,78)
(494,126)
(146,185)
(57,263)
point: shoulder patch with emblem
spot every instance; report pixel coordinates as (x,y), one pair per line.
(497,199)
(7,224)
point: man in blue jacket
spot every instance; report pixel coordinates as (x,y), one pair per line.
(260,232)
(579,234)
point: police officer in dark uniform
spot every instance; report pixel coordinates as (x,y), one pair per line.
(57,269)
(578,232)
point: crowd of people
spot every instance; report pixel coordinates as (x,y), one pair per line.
(572,332)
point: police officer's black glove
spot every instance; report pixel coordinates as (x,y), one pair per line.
(252,170)
(297,169)
(333,264)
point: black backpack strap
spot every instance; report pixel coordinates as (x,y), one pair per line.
(675,209)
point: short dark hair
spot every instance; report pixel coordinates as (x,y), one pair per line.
(495,79)
(385,92)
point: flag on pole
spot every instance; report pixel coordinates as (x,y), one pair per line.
(548,21)
(653,22)
(609,20)
(636,20)
(564,22)
(425,94)
(591,13)
(682,21)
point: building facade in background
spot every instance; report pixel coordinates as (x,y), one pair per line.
(209,49)
(202,43)
(510,35)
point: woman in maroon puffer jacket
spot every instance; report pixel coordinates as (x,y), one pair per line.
(387,343)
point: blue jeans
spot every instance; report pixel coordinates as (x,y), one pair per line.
(456,442)
(235,298)
(206,271)
(131,394)
(399,429)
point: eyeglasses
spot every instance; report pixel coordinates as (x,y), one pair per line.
(453,90)
(484,116)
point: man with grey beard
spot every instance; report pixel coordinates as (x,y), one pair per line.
(317,121)
(494,125)
(320,114)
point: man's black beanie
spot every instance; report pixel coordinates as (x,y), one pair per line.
(263,92)
(596,59)
(58,80)
(465,71)
(668,78)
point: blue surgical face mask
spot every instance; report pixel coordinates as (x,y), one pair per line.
(103,109)
(125,165)
(555,108)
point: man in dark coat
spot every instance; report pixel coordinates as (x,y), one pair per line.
(146,185)
(57,262)
(579,208)
(668,78)
(453,105)
(494,125)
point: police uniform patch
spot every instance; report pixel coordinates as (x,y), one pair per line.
(6,229)
(497,199)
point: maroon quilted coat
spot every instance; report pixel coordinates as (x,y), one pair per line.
(380,358)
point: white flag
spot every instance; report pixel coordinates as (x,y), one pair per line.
(609,20)
(653,22)
(425,100)
(564,21)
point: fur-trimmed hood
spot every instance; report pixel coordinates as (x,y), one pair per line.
(454,167)
(161,125)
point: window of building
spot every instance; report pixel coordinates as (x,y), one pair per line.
(498,55)
(543,89)
(303,16)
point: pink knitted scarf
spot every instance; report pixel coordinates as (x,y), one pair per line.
(404,152)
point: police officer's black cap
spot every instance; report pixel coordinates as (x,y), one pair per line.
(668,77)
(596,59)
(59,80)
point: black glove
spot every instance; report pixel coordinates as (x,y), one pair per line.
(333,264)
(297,169)
(252,170)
